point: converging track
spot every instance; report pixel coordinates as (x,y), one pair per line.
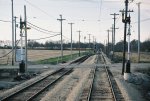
(31,91)
(101,86)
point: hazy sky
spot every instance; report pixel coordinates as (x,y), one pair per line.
(90,16)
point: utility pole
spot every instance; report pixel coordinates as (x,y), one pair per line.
(113,37)
(71,37)
(114,25)
(79,41)
(84,43)
(112,47)
(108,42)
(12,32)
(84,39)
(61,19)
(15,37)
(104,46)
(93,43)
(26,51)
(139,30)
(89,42)
(125,20)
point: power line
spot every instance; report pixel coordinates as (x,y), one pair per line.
(100,7)
(10,51)
(118,18)
(45,37)
(66,37)
(38,8)
(5,21)
(147,19)
(42,28)
(38,30)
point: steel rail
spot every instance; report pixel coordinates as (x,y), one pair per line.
(112,90)
(3,99)
(90,90)
(88,96)
(32,84)
(27,86)
(36,94)
(91,85)
(80,60)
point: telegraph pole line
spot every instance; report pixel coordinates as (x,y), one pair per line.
(125,20)
(84,43)
(15,37)
(61,19)
(84,39)
(108,40)
(139,30)
(93,43)
(112,28)
(114,39)
(71,37)
(89,41)
(26,51)
(112,47)
(12,32)
(114,24)
(79,41)
(104,46)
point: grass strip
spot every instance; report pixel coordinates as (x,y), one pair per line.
(57,60)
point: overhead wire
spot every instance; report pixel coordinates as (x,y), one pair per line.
(4,21)
(45,37)
(38,8)
(38,30)
(66,37)
(121,15)
(9,51)
(143,20)
(42,28)
(100,7)
(35,27)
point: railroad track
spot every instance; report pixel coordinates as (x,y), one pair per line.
(30,92)
(101,85)
(80,60)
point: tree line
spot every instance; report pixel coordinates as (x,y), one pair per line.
(144,46)
(55,45)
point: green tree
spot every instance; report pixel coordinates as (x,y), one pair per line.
(145,46)
(134,45)
(119,46)
(33,44)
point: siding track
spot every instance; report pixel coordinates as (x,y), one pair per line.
(101,86)
(29,92)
